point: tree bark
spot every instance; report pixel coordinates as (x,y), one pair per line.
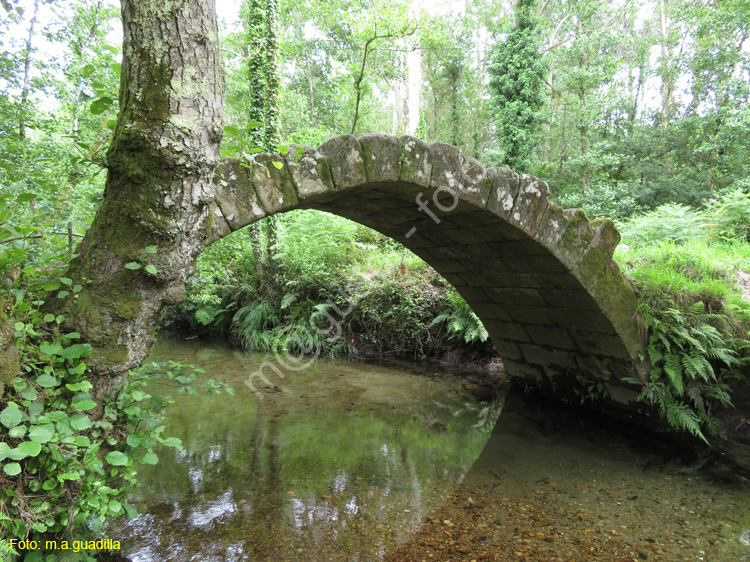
(159,184)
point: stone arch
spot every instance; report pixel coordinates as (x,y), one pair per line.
(541,279)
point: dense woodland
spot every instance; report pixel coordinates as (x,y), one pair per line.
(636,110)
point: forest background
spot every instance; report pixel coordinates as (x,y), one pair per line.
(635,110)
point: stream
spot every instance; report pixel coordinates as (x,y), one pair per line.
(348,461)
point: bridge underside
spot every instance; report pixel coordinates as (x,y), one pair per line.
(540,278)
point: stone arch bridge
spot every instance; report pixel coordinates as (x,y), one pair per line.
(541,279)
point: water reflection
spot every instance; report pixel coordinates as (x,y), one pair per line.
(340,463)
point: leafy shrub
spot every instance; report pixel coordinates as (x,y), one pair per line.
(728,217)
(671,222)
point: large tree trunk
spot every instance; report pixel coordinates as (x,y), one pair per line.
(159,187)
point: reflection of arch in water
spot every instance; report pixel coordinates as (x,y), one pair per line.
(541,279)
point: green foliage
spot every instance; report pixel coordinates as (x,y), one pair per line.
(460,321)
(728,216)
(67,458)
(695,318)
(692,360)
(672,222)
(516,80)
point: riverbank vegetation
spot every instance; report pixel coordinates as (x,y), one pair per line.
(637,111)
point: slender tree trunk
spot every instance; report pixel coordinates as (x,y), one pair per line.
(159,185)
(27,73)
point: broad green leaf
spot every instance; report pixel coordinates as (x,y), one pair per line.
(116,458)
(100,106)
(79,422)
(46,381)
(30,448)
(66,281)
(150,458)
(41,433)
(62,294)
(84,405)
(12,469)
(132,265)
(24,197)
(150,249)
(77,351)
(51,349)
(11,416)
(276,164)
(49,317)
(18,431)
(150,268)
(114,506)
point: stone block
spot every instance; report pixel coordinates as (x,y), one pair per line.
(235,194)
(447,173)
(273,183)
(530,203)
(529,314)
(547,357)
(551,336)
(382,156)
(566,298)
(346,161)
(505,184)
(490,311)
(515,296)
(477,183)
(599,344)
(508,350)
(416,161)
(310,171)
(531,372)
(506,331)
(584,320)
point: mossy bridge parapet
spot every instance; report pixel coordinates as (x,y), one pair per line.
(541,279)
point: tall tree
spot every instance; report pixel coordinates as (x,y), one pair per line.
(516,81)
(154,213)
(262,36)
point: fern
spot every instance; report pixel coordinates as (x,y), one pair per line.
(690,359)
(461,322)
(5,550)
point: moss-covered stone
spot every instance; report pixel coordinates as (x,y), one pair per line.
(345,157)
(447,168)
(273,183)
(502,197)
(235,194)
(310,171)
(529,204)
(382,155)
(416,161)
(477,183)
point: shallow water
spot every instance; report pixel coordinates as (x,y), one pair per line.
(341,462)
(345,461)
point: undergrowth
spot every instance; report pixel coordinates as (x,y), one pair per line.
(693,314)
